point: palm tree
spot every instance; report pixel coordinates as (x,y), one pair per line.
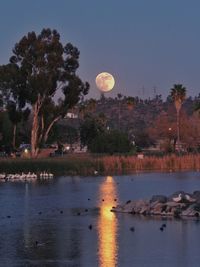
(178,95)
(130,101)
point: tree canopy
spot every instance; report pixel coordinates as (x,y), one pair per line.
(40,68)
(178,95)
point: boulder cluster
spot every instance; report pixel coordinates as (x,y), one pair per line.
(179,204)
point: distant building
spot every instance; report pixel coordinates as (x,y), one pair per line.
(71,115)
(140,156)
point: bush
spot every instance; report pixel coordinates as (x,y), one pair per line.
(111,142)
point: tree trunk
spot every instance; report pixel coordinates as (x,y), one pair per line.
(178,129)
(49,128)
(34,132)
(35,137)
(40,135)
(119,116)
(14,136)
(174,144)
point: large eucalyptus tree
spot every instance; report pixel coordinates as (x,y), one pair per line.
(42,68)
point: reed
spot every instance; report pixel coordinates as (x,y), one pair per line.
(105,165)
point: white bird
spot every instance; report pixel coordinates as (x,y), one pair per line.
(23,176)
(50,175)
(177,199)
(2,176)
(189,198)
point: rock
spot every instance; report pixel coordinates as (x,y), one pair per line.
(118,208)
(196,195)
(176,212)
(145,210)
(157,208)
(158,198)
(140,206)
(191,212)
(175,204)
(196,207)
(189,205)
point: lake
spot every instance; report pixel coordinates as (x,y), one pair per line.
(67,222)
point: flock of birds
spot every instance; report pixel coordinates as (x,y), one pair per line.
(182,197)
(25,177)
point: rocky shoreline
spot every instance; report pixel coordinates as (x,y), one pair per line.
(179,204)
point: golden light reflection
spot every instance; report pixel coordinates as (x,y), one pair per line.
(26,216)
(107,224)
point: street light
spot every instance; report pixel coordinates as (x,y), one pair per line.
(170,137)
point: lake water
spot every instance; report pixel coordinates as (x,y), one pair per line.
(46,224)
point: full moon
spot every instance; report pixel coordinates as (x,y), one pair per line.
(105,81)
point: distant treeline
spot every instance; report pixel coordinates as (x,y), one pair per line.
(150,122)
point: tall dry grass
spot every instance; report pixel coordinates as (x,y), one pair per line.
(122,164)
(105,165)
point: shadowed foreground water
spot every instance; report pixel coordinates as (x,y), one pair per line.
(47,224)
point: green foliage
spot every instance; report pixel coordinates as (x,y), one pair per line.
(15,115)
(142,139)
(40,67)
(111,142)
(64,134)
(91,128)
(5,129)
(59,166)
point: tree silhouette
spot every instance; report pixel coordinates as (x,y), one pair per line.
(41,67)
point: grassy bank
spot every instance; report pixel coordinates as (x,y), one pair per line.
(105,165)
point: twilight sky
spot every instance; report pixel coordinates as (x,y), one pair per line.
(148,45)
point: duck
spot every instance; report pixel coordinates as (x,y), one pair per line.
(90,226)
(39,244)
